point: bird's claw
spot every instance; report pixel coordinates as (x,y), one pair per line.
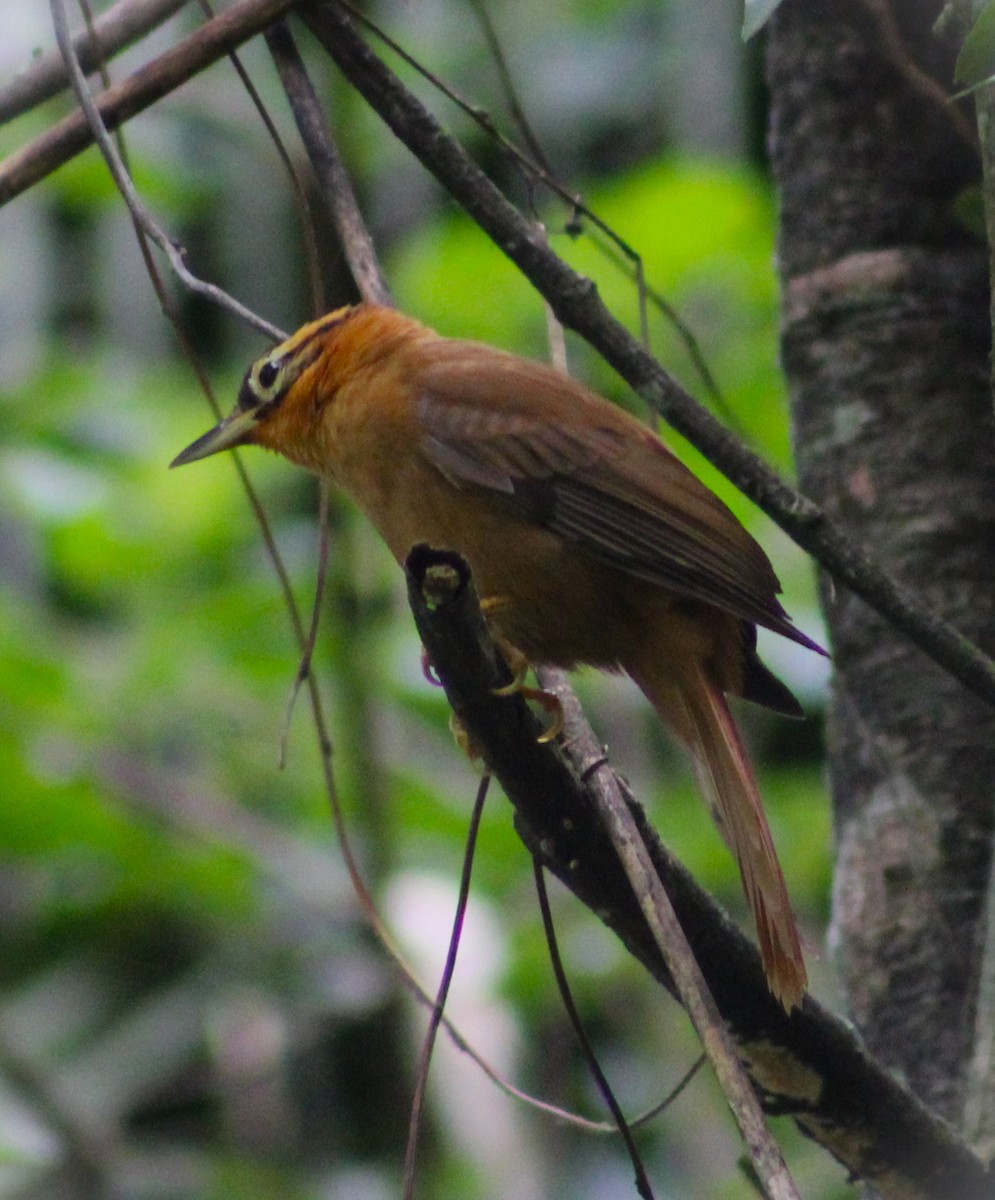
(549,701)
(551,704)
(428,670)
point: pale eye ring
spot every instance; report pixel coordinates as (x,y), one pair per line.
(268,373)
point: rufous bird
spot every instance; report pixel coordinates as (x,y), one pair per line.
(591,541)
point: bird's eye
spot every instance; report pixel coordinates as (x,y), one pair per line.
(267,374)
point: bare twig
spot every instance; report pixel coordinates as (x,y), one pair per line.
(534,169)
(414,1126)
(296,183)
(670,938)
(117,28)
(311,640)
(334,185)
(515,107)
(575,300)
(140,214)
(602,236)
(643,1186)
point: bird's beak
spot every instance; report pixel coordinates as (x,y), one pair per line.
(226,435)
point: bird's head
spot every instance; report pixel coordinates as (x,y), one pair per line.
(285,392)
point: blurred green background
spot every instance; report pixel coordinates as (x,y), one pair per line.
(191,1002)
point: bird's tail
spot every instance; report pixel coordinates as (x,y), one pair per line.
(697,711)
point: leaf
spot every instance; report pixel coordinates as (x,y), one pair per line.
(976,61)
(756,13)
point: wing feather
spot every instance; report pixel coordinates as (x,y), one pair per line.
(605,482)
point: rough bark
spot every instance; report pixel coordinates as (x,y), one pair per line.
(886,343)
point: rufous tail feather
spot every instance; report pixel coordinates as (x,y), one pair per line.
(697,711)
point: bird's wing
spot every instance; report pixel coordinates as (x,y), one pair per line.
(590,473)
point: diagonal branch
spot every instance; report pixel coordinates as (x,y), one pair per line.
(116,29)
(68,137)
(334,185)
(576,303)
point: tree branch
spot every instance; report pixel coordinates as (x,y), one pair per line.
(116,29)
(334,186)
(216,38)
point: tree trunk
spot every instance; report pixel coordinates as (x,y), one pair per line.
(886,345)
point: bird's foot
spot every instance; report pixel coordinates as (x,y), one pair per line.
(520,666)
(548,701)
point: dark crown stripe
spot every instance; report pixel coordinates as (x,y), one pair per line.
(316,331)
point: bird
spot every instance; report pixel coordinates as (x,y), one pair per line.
(590,542)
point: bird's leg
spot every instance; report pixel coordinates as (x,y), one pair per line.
(549,702)
(519,666)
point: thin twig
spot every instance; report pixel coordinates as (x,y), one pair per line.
(643,1186)
(688,339)
(311,640)
(136,206)
(171,313)
(518,116)
(533,169)
(669,936)
(296,183)
(334,185)
(406,972)
(438,1007)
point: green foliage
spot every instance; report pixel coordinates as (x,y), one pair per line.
(976,61)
